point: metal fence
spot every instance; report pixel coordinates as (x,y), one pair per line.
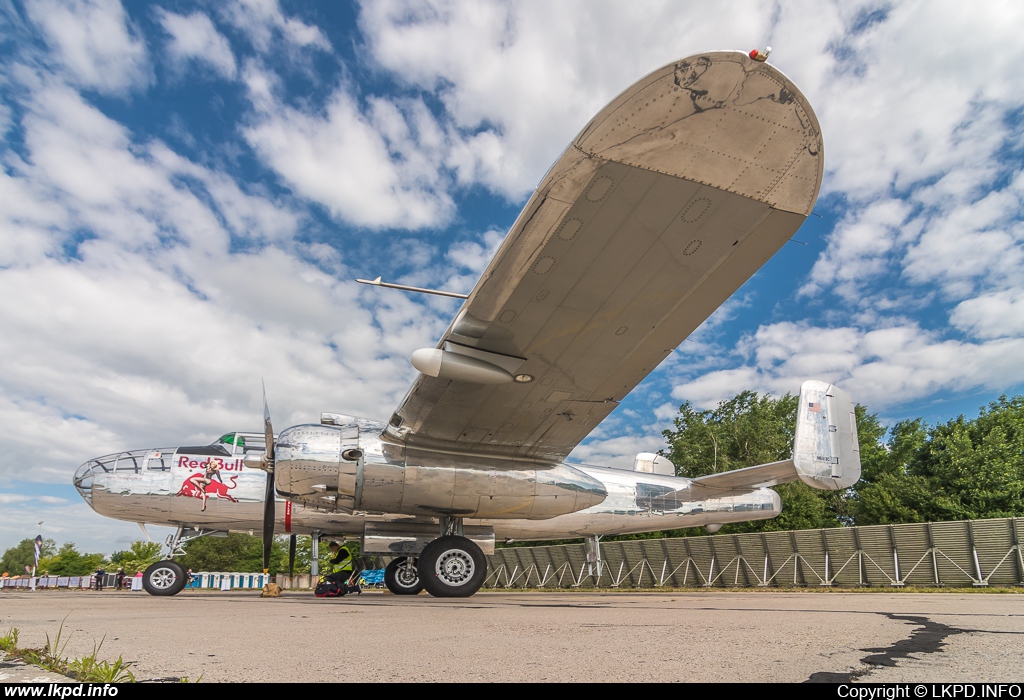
(960,553)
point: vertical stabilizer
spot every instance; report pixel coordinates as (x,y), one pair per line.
(826,453)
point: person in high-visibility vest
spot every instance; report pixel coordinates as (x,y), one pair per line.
(341,569)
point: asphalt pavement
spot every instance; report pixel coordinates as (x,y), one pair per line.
(538,636)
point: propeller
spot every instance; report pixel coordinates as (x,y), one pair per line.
(269,506)
(291,555)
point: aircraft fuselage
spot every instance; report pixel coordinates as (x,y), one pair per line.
(178,487)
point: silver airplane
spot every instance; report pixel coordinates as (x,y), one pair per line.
(662,207)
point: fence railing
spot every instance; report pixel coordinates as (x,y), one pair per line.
(955,553)
(958,553)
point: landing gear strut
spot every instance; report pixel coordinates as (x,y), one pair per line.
(168,577)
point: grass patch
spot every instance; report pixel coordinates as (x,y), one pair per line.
(9,642)
(87,669)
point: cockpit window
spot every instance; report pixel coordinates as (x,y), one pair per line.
(232,439)
(211,450)
(239,443)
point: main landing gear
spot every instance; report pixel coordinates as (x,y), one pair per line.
(452,566)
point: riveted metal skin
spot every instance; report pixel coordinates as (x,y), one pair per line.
(396,479)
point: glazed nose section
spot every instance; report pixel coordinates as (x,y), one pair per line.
(86,475)
(84,479)
(94,472)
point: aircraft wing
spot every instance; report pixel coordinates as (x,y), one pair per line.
(664,205)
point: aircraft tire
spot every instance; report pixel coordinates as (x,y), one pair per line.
(452,567)
(164,578)
(399,581)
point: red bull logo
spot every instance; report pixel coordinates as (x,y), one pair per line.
(193,462)
(215,488)
(206,483)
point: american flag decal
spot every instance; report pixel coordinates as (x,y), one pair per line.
(814,407)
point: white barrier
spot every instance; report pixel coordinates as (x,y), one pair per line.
(225,581)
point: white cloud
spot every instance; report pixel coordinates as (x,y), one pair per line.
(95,41)
(970,246)
(883,367)
(618,452)
(264,21)
(860,249)
(893,118)
(377,169)
(194,38)
(994,315)
(153,331)
(519,80)
(472,258)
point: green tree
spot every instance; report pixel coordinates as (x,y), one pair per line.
(236,552)
(137,557)
(976,468)
(746,430)
(887,492)
(22,554)
(68,561)
(963,469)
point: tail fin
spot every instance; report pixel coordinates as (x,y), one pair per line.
(826,453)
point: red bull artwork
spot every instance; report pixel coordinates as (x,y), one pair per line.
(208,482)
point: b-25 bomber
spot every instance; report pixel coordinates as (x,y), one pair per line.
(673,196)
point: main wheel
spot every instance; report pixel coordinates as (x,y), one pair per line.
(164,578)
(452,567)
(401,577)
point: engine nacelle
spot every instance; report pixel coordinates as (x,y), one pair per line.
(334,468)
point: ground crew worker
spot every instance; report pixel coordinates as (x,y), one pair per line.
(341,569)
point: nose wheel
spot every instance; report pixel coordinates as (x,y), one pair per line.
(452,567)
(402,577)
(164,578)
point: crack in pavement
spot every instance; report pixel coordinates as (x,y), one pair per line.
(928,638)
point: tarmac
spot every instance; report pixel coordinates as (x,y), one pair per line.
(705,636)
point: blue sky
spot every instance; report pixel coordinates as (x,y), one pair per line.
(189,188)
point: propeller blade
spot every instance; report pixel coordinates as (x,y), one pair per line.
(291,554)
(268,430)
(269,506)
(269,511)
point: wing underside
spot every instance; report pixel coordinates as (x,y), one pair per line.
(667,202)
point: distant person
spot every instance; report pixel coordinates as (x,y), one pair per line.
(119,578)
(100,573)
(341,571)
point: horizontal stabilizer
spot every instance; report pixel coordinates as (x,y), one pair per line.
(745,480)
